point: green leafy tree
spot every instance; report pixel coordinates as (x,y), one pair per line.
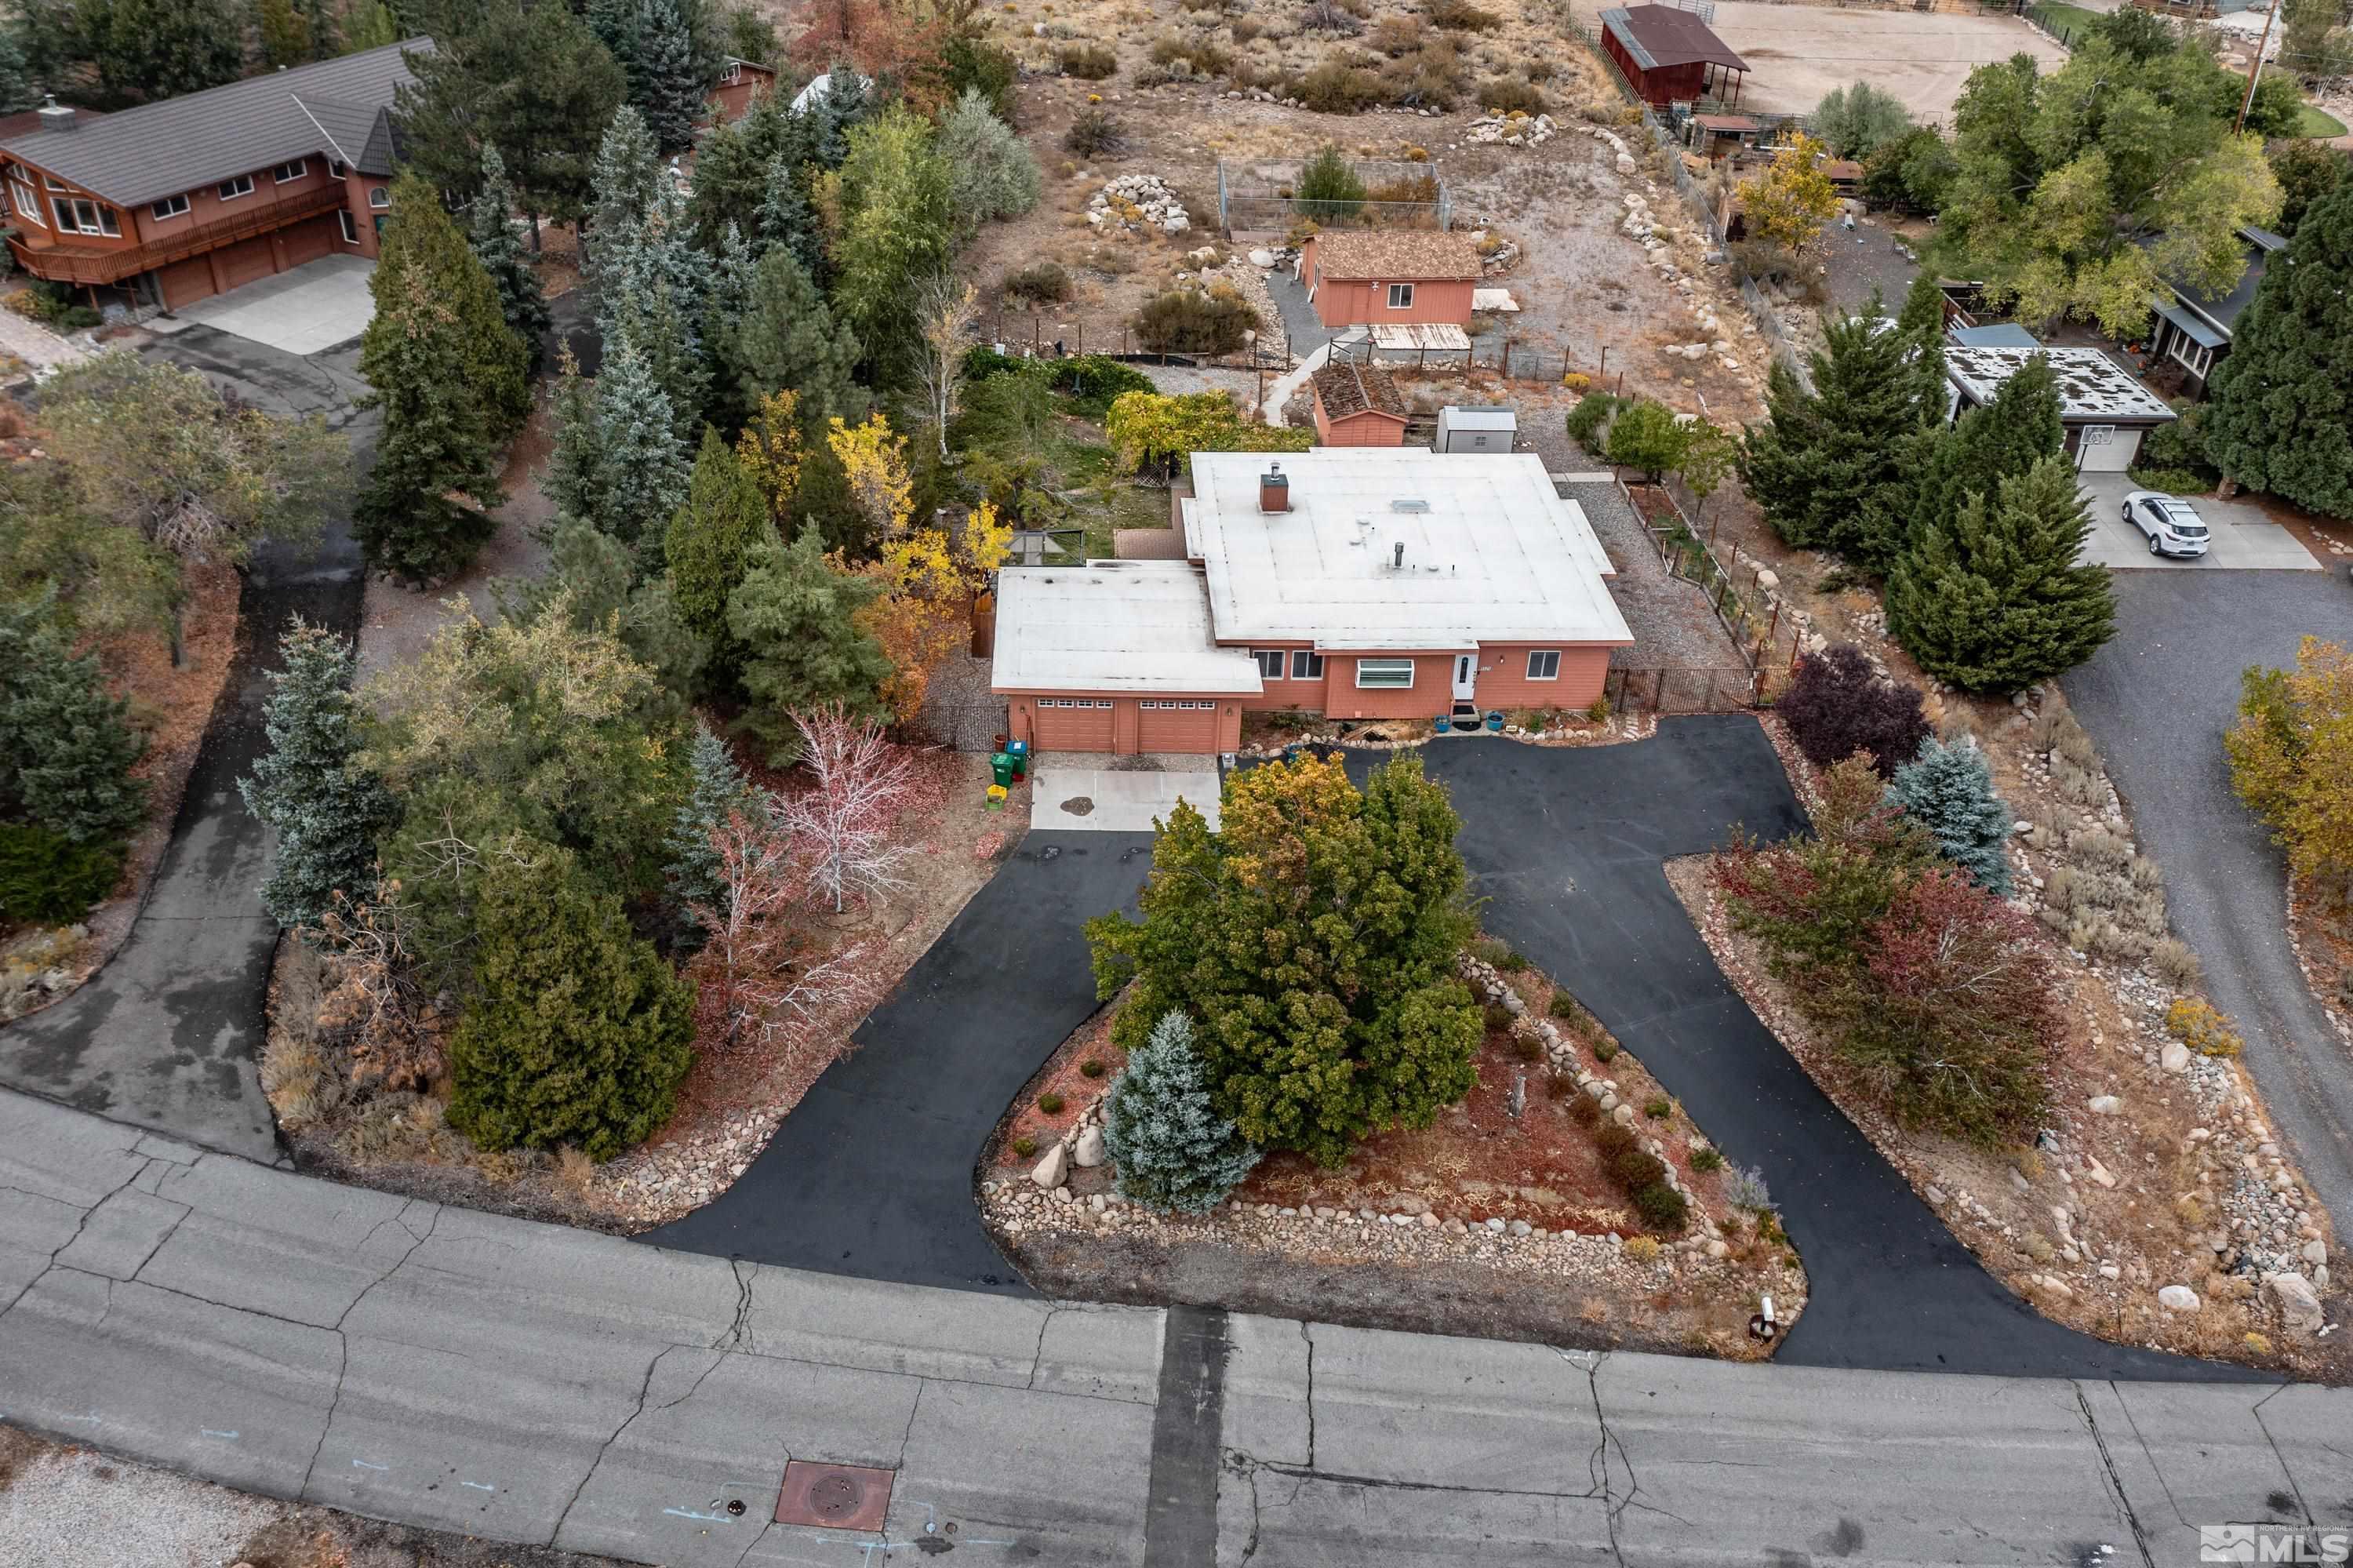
(1858,120)
(719,790)
(534,82)
(789,340)
(2283,401)
(1329,190)
(1949,790)
(1313,935)
(796,618)
(991,174)
(491,233)
(579,1032)
(67,745)
(897,229)
(325,809)
(1993,601)
(711,537)
(1172,1149)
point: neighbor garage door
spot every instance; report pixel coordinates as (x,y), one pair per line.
(310,240)
(1074,723)
(186,282)
(1176,724)
(2104,448)
(245,260)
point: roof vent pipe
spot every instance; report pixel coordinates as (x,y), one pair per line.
(1397,561)
(1273,490)
(56,116)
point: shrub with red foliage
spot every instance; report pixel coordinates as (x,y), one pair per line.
(1837,704)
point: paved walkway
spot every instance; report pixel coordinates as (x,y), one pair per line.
(529,1383)
(168,1033)
(872,1175)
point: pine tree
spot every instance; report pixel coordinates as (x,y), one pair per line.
(711,537)
(491,233)
(325,809)
(794,616)
(1819,461)
(642,464)
(666,81)
(1993,602)
(579,1034)
(719,789)
(2283,419)
(1948,789)
(1171,1147)
(789,341)
(785,221)
(67,746)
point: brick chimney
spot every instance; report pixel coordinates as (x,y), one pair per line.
(1273,490)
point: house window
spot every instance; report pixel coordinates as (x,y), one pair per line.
(1306,664)
(337,168)
(1390,674)
(287,174)
(351,229)
(1544,664)
(1270,663)
(378,197)
(1400,296)
(240,186)
(170,207)
(27,204)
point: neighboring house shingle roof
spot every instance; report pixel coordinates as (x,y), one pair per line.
(1659,35)
(1395,255)
(162,149)
(1347,389)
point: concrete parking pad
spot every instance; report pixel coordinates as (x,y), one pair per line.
(1108,801)
(315,306)
(2243,539)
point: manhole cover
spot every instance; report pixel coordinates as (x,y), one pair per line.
(834,1496)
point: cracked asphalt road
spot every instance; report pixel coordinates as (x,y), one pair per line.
(525,1383)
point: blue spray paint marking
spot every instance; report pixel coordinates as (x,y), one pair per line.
(690,1513)
(477,1486)
(209,1432)
(364,1465)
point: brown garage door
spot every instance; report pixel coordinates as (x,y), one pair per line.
(310,240)
(245,260)
(1176,724)
(1074,723)
(186,282)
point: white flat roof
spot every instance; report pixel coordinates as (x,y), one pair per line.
(1492,552)
(1112,626)
(2092,386)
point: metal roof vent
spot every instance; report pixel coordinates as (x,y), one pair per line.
(56,116)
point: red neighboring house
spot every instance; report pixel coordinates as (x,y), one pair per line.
(1396,277)
(740,81)
(175,201)
(1357,406)
(1670,55)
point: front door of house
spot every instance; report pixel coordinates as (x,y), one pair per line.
(1466,670)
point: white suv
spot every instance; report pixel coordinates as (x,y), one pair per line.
(2172,524)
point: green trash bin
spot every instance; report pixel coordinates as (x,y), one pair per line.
(1001,766)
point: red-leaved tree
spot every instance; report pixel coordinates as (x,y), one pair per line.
(843,825)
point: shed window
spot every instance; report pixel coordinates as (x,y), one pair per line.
(240,186)
(1400,296)
(285,174)
(1306,664)
(1393,675)
(1544,664)
(170,207)
(1270,663)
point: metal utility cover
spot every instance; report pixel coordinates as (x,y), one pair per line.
(834,1496)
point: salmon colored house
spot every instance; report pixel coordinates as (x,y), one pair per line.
(1392,277)
(170,202)
(1357,406)
(1360,583)
(740,82)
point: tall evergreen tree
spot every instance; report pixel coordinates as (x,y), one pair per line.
(579,1033)
(719,789)
(1820,459)
(1948,789)
(789,341)
(796,618)
(1993,601)
(666,79)
(1171,1149)
(643,463)
(325,809)
(67,746)
(491,233)
(711,537)
(2283,419)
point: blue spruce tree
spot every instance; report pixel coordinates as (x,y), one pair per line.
(1172,1150)
(1948,789)
(326,811)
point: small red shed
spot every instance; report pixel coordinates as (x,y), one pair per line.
(1357,406)
(1669,55)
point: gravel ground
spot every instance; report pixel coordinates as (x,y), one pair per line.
(63,1506)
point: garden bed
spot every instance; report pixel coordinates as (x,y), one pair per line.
(1485,1223)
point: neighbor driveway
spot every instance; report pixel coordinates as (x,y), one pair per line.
(2243,538)
(312,307)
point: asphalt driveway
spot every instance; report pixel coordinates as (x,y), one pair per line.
(2158,699)
(167,1036)
(1567,846)
(872,1173)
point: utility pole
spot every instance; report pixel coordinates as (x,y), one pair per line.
(2255,67)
